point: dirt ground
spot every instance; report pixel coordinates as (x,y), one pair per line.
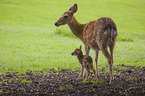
(128,81)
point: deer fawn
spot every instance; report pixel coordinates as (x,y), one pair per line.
(97,35)
(86,62)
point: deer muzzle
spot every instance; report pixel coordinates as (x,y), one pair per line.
(56,24)
(72,54)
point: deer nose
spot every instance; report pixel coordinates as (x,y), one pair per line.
(72,54)
(55,23)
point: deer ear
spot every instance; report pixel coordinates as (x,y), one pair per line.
(80,47)
(74,8)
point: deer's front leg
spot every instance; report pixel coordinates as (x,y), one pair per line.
(87,49)
(81,72)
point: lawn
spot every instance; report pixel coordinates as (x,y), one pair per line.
(30,41)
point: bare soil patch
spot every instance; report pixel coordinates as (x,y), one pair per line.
(130,81)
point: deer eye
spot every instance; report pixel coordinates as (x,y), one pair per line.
(65,16)
(78,51)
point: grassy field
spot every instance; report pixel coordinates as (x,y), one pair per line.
(30,41)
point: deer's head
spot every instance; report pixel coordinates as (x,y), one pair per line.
(77,51)
(66,17)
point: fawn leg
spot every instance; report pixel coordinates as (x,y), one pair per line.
(81,72)
(96,60)
(87,73)
(84,72)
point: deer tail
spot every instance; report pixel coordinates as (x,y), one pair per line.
(112,32)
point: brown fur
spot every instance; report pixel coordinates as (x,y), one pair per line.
(86,63)
(97,35)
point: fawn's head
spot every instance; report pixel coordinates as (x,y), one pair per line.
(77,51)
(66,17)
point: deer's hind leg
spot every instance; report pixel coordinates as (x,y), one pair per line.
(96,60)
(103,42)
(87,73)
(84,72)
(111,47)
(92,68)
(86,67)
(109,59)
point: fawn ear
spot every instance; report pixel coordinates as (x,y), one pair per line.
(80,46)
(74,8)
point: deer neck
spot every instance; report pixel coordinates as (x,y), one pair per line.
(76,28)
(80,56)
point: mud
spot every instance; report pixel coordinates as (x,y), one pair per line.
(128,81)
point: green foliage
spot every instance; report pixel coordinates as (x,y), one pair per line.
(25,81)
(119,68)
(97,81)
(84,81)
(30,41)
(1,90)
(61,88)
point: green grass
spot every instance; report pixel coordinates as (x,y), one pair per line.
(30,41)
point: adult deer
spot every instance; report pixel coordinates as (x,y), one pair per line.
(97,35)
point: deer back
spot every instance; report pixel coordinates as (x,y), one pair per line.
(99,32)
